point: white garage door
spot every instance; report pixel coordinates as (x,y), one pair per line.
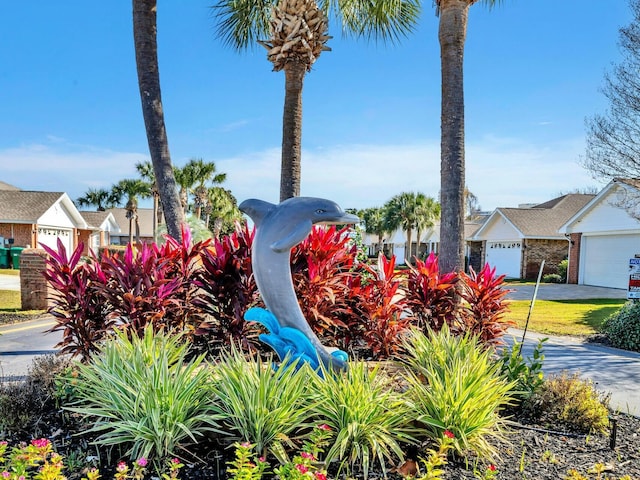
(49,237)
(605,259)
(505,257)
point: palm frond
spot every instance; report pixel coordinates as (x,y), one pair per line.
(241,23)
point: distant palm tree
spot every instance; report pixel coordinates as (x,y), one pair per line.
(146,47)
(98,197)
(131,190)
(297,31)
(373,219)
(402,212)
(206,177)
(221,211)
(145,170)
(427,212)
(452,35)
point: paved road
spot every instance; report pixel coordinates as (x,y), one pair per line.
(561,291)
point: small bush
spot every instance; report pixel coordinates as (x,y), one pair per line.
(623,327)
(24,405)
(552,278)
(566,401)
(563,266)
(143,395)
(455,385)
(526,374)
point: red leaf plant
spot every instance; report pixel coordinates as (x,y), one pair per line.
(227,288)
(380,303)
(484,305)
(431,295)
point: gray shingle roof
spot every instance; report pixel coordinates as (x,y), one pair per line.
(25,207)
(6,186)
(145,216)
(94,219)
(545,219)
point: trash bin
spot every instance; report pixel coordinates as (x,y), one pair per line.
(4,257)
(15,257)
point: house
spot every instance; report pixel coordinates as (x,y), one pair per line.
(604,234)
(516,240)
(31,219)
(101,226)
(145,219)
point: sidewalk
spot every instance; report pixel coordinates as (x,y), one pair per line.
(9,282)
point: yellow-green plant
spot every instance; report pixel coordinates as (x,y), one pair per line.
(370,420)
(455,385)
(143,394)
(257,403)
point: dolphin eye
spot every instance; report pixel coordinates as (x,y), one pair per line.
(320,211)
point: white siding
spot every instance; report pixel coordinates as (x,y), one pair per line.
(606,216)
(500,229)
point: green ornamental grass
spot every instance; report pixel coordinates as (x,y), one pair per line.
(456,386)
(142,393)
(260,404)
(369,419)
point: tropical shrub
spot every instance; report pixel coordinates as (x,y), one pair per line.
(369,420)
(552,278)
(525,374)
(431,295)
(484,306)
(258,404)
(23,405)
(455,385)
(563,266)
(379,303)
(227,288)
(566,401)
(321,268)
(78,308)
(143,394)
(623,327)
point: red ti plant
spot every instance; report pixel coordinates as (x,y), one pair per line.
(380,303)
(321,268)
(431,295)
(153,285)
(227,287)
(483,295)
(77,306)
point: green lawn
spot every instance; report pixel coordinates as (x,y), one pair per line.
(9,301)
(8,271)
(564,317)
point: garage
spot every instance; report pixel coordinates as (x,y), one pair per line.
(605,259)
(49,236)
(505,256)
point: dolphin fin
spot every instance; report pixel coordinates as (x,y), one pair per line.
(297,234)
(256,209)
(264,318)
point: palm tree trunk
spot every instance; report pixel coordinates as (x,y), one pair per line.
(155,217)
(452,34)
(144,34)
(407,251)
(292,130)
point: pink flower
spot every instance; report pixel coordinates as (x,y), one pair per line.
(307,455)
(122,467)
(21,477)
(491,467)
(325,427)
(3,444)
(302,468)
(142,462)
(448,434)
(320,476)
(5,474)
(40,443)
(245,445)
(262,459)
(175,461)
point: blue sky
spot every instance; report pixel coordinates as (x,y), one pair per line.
(70,115)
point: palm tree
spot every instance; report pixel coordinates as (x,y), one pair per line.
(132,189)
(297,31)
(221,211)
(402,212)
(205,174)
(452,34)
(373,219)
(145,170)
(146,47)
(427,212)
(98,197)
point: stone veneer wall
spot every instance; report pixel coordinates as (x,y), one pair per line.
(551,251)
(34,288)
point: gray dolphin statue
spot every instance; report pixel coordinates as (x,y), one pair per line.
(278,229)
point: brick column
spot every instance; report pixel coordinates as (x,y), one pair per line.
(34,289)
(574,258)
